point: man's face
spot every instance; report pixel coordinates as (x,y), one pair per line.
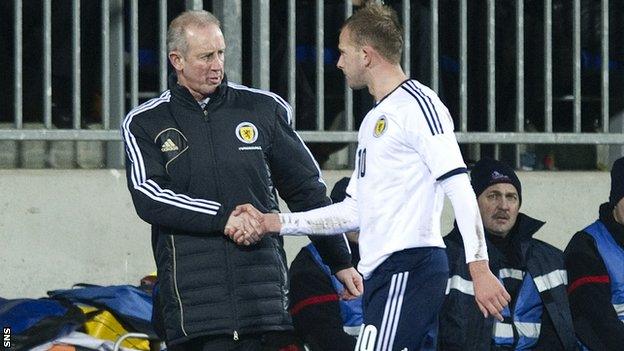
(351,61)
(618,211)
(200,68)
(499,205)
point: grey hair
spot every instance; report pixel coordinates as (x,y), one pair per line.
(176,34)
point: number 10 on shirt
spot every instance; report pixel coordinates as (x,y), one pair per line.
(361,163)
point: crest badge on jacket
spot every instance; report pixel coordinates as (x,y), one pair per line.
(247,132)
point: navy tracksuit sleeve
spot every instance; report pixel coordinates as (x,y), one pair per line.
(156,199)
(314,306)
(298,180)
(595,321)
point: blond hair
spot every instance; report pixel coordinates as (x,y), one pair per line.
(378,26)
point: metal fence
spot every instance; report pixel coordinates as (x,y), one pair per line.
(474,54)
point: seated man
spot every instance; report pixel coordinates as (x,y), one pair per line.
(538,316)
(594,259)
(321,318)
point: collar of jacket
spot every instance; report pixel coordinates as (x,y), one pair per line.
(185,97)
(616,229)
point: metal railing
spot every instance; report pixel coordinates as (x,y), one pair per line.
(119,61)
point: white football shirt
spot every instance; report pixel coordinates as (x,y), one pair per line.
(406,145)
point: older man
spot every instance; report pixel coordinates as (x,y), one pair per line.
(595,262)
(194,152)
(538,316)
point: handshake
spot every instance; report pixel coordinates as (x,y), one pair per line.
(246,225)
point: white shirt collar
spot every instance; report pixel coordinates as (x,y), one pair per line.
(203,102)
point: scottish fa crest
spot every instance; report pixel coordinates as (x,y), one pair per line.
(247,132)
(380,126)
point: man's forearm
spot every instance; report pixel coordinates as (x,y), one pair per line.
(335,219)
(297,224)
(272,223)
(467,215)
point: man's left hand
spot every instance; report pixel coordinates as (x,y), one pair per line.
(352,281)
(490,294)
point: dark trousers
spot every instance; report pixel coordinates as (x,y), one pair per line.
(270,341)
(402,300)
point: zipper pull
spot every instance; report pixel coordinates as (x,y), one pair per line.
(235,335)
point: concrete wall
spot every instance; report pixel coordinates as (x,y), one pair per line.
(60,227)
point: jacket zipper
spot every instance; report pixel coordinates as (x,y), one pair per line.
(227,251)
(175,285)
(229,284)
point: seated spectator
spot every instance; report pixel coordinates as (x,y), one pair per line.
(321,318)
(538,316)
(594,259)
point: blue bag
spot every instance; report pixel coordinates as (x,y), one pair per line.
(36,321)
(131,305)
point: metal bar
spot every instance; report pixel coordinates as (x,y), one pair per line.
(17,64)
(194,4)
(60,134)
(292,56)
(134,53)
(105,62)
(519,74)
(76,98)
(348,93)
(577,65)
(488,138)
(117,54)
(548,68)
(463,65)
(47,63)
(541,138)
(162,45)
(342,137)
(18,107)
(605,66)
(435,65)
(520,65)
(261,44)
(115,151)
(230,12)
(491,61)
(407,38)
(320,68)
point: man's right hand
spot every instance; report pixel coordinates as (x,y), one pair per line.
(247,225)
(244,227)
(490,294)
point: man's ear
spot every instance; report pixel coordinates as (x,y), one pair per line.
(177,60)
(367,54)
